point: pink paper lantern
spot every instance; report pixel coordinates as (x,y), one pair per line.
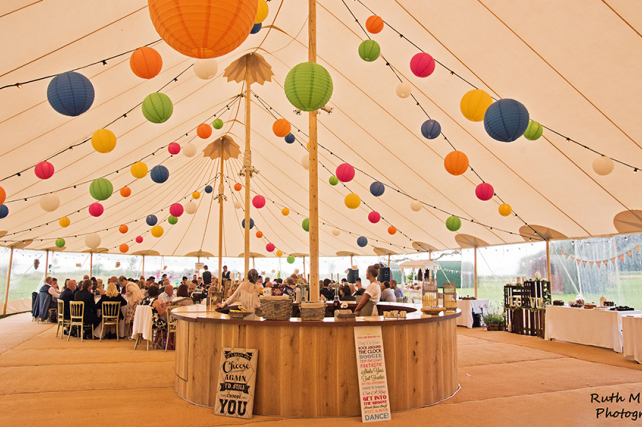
(345,172)
(174,148)
(176,210)
(258,201)
(270,247)
(422,64)
(484,191)
(139,239)
(44,170)
(374,217)
(96,209)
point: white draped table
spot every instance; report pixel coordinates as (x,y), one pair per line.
(466,306)
(596,327)
(632,335)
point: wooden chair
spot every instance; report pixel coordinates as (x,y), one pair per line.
(171,324)
(61,319)
(110,317)
(77,311)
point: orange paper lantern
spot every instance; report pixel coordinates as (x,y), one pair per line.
(146,63)
(3,195)
(125,191)
(203,28)
(238,186)
(259,234)
(204,130)
(123,229)
(124,248)
(392,230)
(374,24)
(456,163)
(281,128)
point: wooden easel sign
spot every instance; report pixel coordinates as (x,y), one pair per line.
(236,379)
(371,368)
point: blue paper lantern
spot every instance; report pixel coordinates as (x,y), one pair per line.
(151,220)
(251,224)
(289,138)
(70,93)
(159,174)
(362,241)
(431,129)
(377,188)
(208,189)
(256,28)
(506,120)
(4,211)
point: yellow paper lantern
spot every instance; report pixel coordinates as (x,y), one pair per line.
(139,170)
(279,253)
(262,12)
(64,222)
(352,201)
(505,209)
(103,140)
(157,231)
(196,195)
(474,104)
(285,211)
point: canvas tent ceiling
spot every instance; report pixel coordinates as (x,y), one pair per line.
(574,64)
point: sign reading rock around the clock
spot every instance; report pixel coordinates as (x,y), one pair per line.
(236,379)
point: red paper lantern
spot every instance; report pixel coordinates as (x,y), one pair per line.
(392,230)
(139,239)
(174,148)
(270,247)
(238,186)
(176,210)
(204,130)
(259,234)
(422,64)
(484,191)
(146,62)
(96,209)
(124,248)
(123,229)
(258,201)
(44,170)
(374,217)
(345,172)
(281,128)
(374,24)
(125,191)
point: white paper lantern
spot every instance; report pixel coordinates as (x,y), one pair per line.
(336,232)
(205,68)
(603,165)
(237,204)
(404,90)
(189,150)
(92,241)
(305,162)
(49,202)
(415,205)
(190,208)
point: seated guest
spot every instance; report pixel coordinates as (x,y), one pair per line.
(200,281)
(112,295)
(47,298)
(167,296)
(184,280)
(192,287)
(290,286)
(396,289)
(100,288)
(388,294)
(359,289)
(345,294)
(68,295)
(90,316)
(260,281)
(327,293)
(182,296)
(55,285)
(134,296)
(158,312)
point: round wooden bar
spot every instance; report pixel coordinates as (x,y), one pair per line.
(309,369)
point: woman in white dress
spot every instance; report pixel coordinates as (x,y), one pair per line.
(245,295)
(372,295)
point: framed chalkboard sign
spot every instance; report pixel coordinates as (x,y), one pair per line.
(236,379)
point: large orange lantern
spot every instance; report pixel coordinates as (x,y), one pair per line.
(203,28)
(204,130)
(456,163)
(281,128)
(146,62)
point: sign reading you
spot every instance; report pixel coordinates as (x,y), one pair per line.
(371,367)
(236,378)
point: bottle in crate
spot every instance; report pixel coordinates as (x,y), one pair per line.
(450,296)
(429,291)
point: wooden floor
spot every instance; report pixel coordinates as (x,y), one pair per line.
(505,380)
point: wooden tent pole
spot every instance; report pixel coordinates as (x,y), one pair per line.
(304,274)
(314,164)
(388,259)
(6,292)
(475,262)
(143,273)
(247,162)
(220,226)
(47,263)
(548,263)
(91,263)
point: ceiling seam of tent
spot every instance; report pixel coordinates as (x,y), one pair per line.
(20,8)
(622,18)
(269,27)
(207,221)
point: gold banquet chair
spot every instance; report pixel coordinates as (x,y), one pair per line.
(111,317)
(77,311)
(61,318)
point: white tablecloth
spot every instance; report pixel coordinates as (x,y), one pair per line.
(466,307)
(632,336)
(600,328)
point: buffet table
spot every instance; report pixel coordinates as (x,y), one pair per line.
(466,306)
(309,369)
(632,337)
(596,327)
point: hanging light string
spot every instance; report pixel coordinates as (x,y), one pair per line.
(272,112)
(454,73)
(102,61)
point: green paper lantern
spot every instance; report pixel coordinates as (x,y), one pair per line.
(172,220)
(290,259)
(101,189)
(217,124)
(308,86)
(60,242)
(453,223)
(369,50)
(533,131)
(334,180)
(157,107)
(306,224)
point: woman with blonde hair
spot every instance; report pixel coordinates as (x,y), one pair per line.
(246,295)
(372,295)
(100,288)
(134,296)
(111,295)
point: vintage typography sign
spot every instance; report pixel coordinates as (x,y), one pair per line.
(371,367)
(236,379)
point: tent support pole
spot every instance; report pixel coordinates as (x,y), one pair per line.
(304,274)
(548,263)
(91,264)
(220,227)
(388,260)
(314,164)
(475,262)
(6,292)
(47,263)
(143,274)
(247,162)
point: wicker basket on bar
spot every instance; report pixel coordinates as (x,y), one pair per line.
(276,308)
(312,310)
